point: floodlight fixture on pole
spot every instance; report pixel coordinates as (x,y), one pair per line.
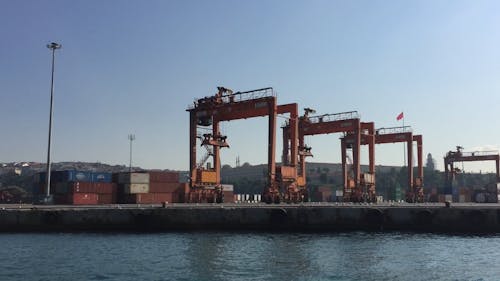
(52,46)
(131,138)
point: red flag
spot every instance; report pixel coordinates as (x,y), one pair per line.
(400,116)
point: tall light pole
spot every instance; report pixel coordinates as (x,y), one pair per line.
(52,46)
(131,138)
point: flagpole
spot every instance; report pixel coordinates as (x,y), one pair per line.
(404,143)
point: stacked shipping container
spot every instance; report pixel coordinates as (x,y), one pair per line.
(149,188)
(131,186)
(165,187)
(78,187)
(91,188)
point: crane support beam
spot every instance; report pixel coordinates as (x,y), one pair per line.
(290,140)
(192,146)
(420,165)
(473,158)
(287,174)
(322,128)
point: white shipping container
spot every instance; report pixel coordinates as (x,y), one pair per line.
(461,198)
(134,188)
(368,178)
(259,198)
(133,178)
(227,187)
(448,197)
(339,193)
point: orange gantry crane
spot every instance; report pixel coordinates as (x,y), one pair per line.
(364,191)
(205,180)
(414,191)
(460,156)
(344,122)
(287,179)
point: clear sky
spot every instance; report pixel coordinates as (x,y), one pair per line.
(135,66)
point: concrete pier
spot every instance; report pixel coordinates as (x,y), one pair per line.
(457,218)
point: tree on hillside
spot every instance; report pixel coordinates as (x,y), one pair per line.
(431,163)
(432,177)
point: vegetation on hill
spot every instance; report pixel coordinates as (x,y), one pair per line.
(391,182)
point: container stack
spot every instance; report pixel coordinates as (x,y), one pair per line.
(165,186)
(78,187)
(487,194)
(152,187)
(132,187)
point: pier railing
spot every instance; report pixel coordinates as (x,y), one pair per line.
(394,130)
(334,117)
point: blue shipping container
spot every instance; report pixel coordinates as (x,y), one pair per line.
(71,175)
(101,177)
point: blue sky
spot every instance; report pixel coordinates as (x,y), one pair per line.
(135,66)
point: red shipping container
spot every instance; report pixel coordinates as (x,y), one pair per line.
(151,198)
(92,187)
(163,187)
(106,198)
(83,198)
(164,197)
(106,188)
(138,198)
(81,187)
(157,176)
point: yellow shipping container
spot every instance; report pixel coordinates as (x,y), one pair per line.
(207,176)
(301,181)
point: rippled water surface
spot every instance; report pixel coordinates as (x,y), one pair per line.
(252,256)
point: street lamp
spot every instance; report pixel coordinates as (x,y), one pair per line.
(52,46)
(131,138)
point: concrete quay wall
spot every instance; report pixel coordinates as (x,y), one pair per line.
(471,218)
